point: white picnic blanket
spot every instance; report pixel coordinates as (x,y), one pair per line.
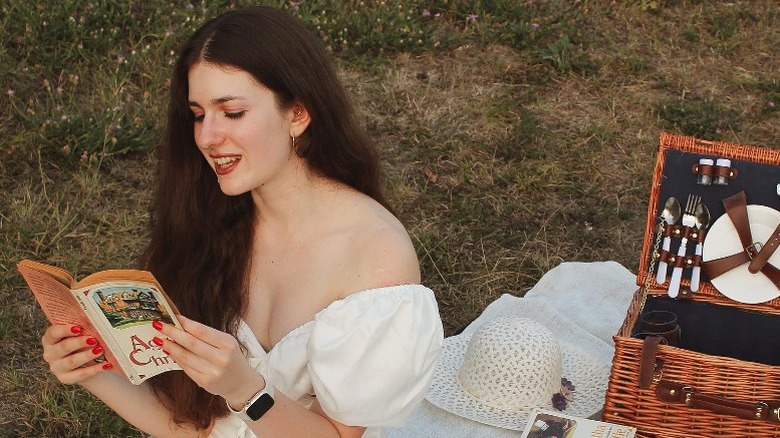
(595,296)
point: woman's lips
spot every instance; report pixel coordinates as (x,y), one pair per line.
(226,164)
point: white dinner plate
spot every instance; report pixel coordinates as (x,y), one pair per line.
(722,240)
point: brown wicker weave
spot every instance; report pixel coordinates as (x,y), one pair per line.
(739,380)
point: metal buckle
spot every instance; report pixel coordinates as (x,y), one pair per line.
(658,369)
(753,249)
(688,391)
(760,407)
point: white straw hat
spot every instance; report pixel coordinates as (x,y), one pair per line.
(499,373)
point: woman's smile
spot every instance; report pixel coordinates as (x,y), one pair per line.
(224,164)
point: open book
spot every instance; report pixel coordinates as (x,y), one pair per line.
(117,307)
(546,424)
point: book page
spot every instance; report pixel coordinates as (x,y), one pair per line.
(124,312)
(55,299)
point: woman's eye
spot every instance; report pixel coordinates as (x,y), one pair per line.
(236,115)
(198,117)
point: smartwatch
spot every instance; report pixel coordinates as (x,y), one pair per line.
(257,405)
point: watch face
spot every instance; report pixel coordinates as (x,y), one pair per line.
(260,407)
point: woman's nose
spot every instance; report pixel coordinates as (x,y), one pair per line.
(209,132)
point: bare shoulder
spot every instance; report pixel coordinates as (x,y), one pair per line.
(381,251)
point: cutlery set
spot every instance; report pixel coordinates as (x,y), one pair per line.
(695,220)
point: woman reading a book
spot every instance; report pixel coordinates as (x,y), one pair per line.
(304,313)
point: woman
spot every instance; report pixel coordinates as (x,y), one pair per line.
(270,232)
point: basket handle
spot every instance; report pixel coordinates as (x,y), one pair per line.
(673,392)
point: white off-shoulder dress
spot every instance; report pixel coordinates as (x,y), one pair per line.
(368,359)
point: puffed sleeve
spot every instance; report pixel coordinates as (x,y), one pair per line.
(373,354)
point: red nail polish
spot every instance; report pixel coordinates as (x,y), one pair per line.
(157,341)
(107,366)
(91,341)
(75,329)
(157,325)
(97,350)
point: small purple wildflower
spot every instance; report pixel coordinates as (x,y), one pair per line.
(558,401)
(772,104)
(561,399)
(426,13)
(471,17)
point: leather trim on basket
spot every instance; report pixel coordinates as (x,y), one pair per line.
(673,392)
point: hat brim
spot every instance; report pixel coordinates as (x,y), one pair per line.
(588,374)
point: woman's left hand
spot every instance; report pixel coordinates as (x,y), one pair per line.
(212,358)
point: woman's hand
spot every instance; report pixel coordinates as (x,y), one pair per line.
(213,359)
(70,355)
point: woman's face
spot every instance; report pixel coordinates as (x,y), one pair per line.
(239,128)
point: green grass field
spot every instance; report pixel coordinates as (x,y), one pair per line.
(515,135)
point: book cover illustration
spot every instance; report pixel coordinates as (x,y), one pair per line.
(548,426)
(124,313)
(551,424)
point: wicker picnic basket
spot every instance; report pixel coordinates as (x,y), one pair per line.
(723,379)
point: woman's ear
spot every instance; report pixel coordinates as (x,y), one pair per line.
(300,120)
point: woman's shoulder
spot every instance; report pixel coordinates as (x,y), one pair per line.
(380,250)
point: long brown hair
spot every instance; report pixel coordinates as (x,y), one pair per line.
(200,238)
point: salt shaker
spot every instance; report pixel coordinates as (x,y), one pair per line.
(721,178)
(705,179)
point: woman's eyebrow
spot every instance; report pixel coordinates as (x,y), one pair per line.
(218,101)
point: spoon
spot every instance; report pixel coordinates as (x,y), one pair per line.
(702,222)
(670,215)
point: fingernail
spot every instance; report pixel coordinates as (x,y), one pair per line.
(107,366)
(75,329)
(91,341)
(97,350)
(157,325)
(157,340)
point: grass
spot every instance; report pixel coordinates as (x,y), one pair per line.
(515,136)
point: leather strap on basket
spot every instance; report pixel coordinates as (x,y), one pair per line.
(760,260)
(648,365)
(736,208)
(673,392)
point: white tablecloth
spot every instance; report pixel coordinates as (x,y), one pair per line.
(594,296)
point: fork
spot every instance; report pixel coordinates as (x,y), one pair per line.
(688,221)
